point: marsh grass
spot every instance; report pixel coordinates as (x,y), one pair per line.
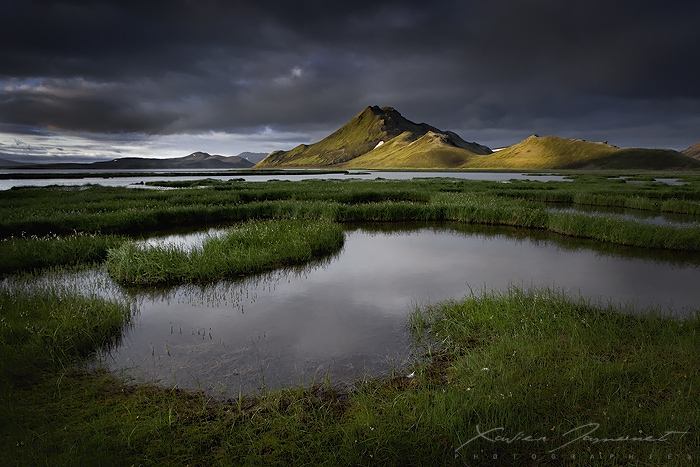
(41,211)
(50,226)
(625,232)
(250,248)
(34,252)
(51,325)
(541,363)
(101,210)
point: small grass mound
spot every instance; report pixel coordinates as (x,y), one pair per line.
(51,327)
(253,247)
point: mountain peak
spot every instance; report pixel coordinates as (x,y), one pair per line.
(199,155)
(365,132)
(379,110)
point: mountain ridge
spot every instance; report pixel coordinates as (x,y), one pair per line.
(428,151)
(381,138)
(196,160)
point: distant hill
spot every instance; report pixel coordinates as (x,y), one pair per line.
(197,160)
(9,163)
(253,157)
(692,151)
(551,152)
(380,138)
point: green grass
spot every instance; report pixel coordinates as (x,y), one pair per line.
(30,253)
(50,326)
(534,362)
(625,232)
(44,227)
(542,363)
(247,249)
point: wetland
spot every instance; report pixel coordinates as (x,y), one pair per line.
(345,317)
(445,303)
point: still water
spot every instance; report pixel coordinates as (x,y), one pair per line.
(105,179)
(346,317)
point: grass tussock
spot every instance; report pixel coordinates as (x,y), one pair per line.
(625,232)
(541,363)
(51,327)
(250,248)
(35,252)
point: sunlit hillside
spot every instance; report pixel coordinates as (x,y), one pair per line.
(551,152)
(692,151)
(429,151)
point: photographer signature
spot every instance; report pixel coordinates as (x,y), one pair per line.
(581,433)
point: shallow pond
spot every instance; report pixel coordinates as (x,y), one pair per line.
(346,317)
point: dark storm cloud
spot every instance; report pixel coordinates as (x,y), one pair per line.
(192,66)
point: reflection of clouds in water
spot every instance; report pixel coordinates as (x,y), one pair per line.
(89,282)
(183,241)
(348,314)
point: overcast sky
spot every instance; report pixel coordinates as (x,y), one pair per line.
(117,78)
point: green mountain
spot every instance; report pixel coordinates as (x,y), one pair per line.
(381,138)
(551,152)
(378,138)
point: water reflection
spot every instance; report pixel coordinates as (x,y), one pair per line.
(346,318)
(271,330)
(185,240)
(105,179)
